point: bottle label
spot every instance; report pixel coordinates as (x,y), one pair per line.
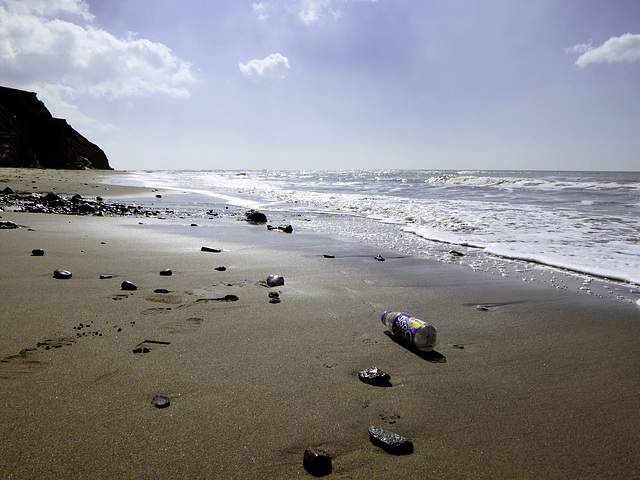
(406,326)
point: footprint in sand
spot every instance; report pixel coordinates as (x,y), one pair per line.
(184,326)
(24,363)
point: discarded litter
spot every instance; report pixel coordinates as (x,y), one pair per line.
(413,331)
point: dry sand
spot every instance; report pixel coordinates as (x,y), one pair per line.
(546,386)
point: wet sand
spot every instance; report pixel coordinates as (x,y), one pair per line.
(541,384)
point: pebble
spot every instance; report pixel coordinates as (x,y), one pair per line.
(127,285)
(209,249)
(166,272)
(220,268)
(326,255)
(62,274)
(274,297)
(380,258)
(255,217)
(104,277)
(389,441)
(374,376)
(456,253)
(317,462)
(161,290)
(161,401)
(275,280)
(38,252)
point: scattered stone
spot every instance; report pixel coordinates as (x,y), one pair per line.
(274,297)
(37,252)
(255,217)
(228,298)
(158,196)
(166,272)
(127,285)
(286,228)
(275,280)
(194,224)
(220,268)
(375,376)
(380,258)
(389,441)
(455,253)
(317,462)
(62,274)
(104,277)
(161,401)
(161,290)
(209,249)
(329,256)
(86,208)
(6,224)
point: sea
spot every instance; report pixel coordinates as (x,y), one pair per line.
(539,225)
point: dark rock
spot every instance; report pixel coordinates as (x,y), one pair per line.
(6,224)
(62,274)
(160,401)
(274,297)
(329,256)
(158,196)
(229,298)
(375,376)
(127,285)
(7,191)
(209,249)
(86,208)
(194,224)
(482,307)
(256,217)
(38,252)
(104,277)
(51,197)
(389,441)
(286,228)
(166,272)
(220,268)
(317,462)
(77,198)
(380,258)
(141,349)
(455,253)
(275,280)
(32,138)
(161,290)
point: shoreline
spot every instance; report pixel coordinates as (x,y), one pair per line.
(533,386)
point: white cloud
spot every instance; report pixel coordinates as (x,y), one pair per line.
(274,66)
(79,60)
(313,11)
(260,10)
(50,7)
(625,48)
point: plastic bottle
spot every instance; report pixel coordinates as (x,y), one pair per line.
(416,332)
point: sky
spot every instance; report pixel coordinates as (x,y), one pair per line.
(336,84)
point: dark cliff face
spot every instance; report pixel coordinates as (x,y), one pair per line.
(30,137)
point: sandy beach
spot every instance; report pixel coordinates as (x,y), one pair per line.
(541,383)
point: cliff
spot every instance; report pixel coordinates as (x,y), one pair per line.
(30,137)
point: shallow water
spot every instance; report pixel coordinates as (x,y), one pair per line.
(586,223)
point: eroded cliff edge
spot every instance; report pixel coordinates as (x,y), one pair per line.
(31,138)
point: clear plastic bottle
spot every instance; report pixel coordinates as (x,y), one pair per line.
(416,332)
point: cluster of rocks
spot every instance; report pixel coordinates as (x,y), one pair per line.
(75,205)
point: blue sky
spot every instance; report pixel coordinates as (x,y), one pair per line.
(297,84)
